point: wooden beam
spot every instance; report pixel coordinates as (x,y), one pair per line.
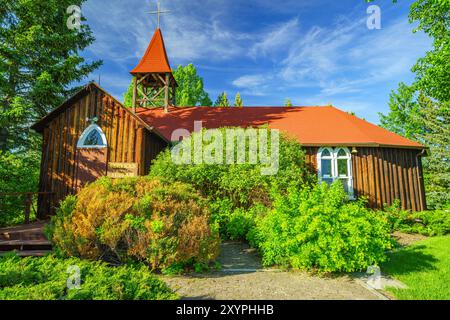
(135,87)
(166,94)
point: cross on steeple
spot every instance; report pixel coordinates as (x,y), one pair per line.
(158,13)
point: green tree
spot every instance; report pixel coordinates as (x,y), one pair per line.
(403,111)
(39,61)
(420,111)
(190,91)
(222,100)
(288,103)
(433,70)
(436,135)
(238,100)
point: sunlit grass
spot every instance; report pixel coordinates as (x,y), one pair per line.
(424,267)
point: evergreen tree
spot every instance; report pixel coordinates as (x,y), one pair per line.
(39,60)
(436,135)
(288,103)
(238,100)
(222,100)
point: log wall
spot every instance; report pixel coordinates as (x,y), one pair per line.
(128,142)
(383,175)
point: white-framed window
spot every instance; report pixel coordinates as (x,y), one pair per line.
(92,138)
(336,164)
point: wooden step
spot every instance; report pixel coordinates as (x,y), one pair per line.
(32,231)
(25,245)
(23,235)
(24,227)
(28,253)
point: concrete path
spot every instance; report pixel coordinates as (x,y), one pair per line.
(243,278)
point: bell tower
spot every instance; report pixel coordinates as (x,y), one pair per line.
(153,82)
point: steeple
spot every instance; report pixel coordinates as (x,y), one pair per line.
(153,76)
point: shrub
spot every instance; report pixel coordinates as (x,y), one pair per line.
(319,229)
(18,173)
(429,223)
(46,279)
(232,187)
(141,219)
(242,221)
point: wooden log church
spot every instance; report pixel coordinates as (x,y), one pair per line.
(93,135)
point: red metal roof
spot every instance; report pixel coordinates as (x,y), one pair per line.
(311,126)
(155,59)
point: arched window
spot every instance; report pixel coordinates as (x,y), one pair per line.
(92,137)
(336,164)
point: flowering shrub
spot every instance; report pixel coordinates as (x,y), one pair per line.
(143,219)
(319,229)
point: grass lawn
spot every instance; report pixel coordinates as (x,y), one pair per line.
(424,267)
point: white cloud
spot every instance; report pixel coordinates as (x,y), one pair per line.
(250,81)
(345,58)
(274,40)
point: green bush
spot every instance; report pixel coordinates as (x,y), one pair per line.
(237,187)
(46,279)
(141,219)
(242,221)
(319,229)
(428,223)
(18,173)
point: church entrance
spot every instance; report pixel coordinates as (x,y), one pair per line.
(92,156)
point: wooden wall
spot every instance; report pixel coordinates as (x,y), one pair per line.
(128,142)
(385,174)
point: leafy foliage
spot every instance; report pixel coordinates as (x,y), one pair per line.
(319,229)
(39,60)
(18,173)
(142,219)
(403,105)
(242,184)
(421,111)
(190,91)
(429,223)
(46,279)
(432,71)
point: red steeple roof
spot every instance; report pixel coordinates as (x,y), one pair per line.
(155,58)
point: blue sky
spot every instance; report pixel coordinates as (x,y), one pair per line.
(313,52)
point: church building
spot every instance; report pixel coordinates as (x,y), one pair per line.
(93,135)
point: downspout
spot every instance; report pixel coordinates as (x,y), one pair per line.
(421,181)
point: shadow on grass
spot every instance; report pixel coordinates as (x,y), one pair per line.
(410,259)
